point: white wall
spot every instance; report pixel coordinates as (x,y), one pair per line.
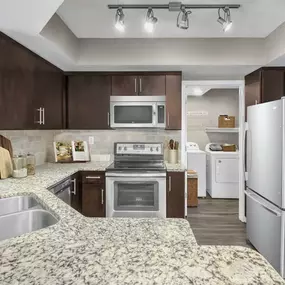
(215,102)
(60,35)
(206,52)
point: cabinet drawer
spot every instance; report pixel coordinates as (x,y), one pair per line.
(97,178)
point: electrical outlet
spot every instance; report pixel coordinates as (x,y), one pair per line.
(91,140)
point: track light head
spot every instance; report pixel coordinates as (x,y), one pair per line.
(120,20)
(225,21)
(150,21)
(183,19)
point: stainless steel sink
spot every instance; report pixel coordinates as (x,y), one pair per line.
(16,204)
(19,223)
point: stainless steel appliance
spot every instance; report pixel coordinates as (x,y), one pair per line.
(136,181)
(265,181)
(64,190)
(137,112)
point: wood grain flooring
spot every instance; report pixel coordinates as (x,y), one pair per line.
(215,222)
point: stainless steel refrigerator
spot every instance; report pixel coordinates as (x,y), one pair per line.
(265,185)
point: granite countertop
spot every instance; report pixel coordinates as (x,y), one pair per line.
(177,167)
(79,250)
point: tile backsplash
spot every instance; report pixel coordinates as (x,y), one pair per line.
(40,142)
(104,140)
(30,141)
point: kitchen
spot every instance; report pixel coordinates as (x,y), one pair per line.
(132,121)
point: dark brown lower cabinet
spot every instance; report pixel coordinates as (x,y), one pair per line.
(93,194)
(175,194)
(76,192)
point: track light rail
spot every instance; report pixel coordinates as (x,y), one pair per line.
(168,6)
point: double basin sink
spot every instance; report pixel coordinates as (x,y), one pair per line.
(22,214)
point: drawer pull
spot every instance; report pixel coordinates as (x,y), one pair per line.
(93,177)
(102,196)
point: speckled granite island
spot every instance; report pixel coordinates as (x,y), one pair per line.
(79,250)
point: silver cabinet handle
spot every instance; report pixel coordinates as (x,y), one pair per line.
(93,177)
(102,196)
(140,85)
(40,121)
(43,110)
(74,186)
(168,119)
(108,118)
(169,184)
(135,85)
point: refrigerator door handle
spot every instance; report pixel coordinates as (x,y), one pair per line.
(245,152)
(262,205)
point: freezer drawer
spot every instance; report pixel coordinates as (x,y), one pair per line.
(263,227)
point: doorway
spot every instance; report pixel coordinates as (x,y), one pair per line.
(200,125)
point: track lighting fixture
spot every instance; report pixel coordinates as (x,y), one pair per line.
(225,21)
(183,11)
(119,20)
(150,21)
(183,19)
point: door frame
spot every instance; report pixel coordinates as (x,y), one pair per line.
(218,84)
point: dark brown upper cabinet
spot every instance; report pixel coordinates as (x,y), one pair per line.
(151,85)
(147,84)
(124,85)
(175,194)
(88,101)
(16,85)
(48,96)
(173,102)
(31,89)
(264,85)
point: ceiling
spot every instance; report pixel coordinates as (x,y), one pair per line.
(92,19)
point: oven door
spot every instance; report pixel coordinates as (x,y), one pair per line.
(136,197)
(132,114)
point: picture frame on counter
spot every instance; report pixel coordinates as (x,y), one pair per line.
(74,151)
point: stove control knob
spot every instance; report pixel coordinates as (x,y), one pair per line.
(125,148)
(120,148)
(151,149)
(157,149)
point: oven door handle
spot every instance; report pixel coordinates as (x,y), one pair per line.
(136,175)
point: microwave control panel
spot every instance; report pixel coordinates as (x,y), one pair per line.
(139,148)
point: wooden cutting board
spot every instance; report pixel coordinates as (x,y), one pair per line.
(6,166)
(6,143)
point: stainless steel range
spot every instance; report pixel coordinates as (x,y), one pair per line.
(136,181)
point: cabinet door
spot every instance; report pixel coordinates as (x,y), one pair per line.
(93,200)
(48,95)
(175,194)
(76,193)
(173,102)
(124,85)
(88,101)
(272,85)
(152,85)
(16,85)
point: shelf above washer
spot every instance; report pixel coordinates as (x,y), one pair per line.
(221,130)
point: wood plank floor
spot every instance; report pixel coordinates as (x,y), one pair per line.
(215,222)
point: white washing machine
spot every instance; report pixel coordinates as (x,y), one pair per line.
(196,160)
(222,173)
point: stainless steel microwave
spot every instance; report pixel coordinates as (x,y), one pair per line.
(137,112)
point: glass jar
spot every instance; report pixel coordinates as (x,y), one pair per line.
(19,162)
(31,164)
